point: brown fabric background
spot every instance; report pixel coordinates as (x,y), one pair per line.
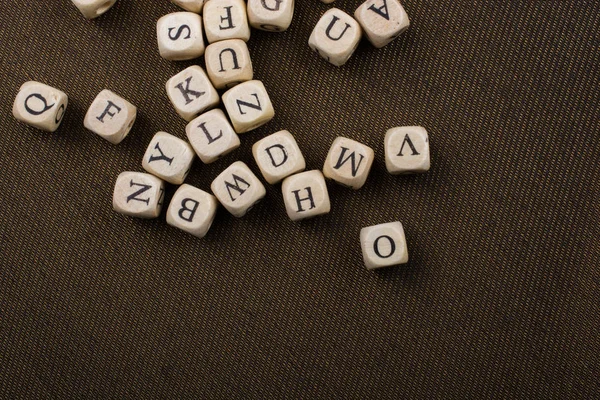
(501,298)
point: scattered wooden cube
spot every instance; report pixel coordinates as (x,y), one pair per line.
(226,19)
(248,106)
(383,245)
(407,150)
(40,106)
(191,92)
(335,36)
(348,163)
(382,20)
(194,6)
(278,156)
(179,36)
(93,8)
(192,210)
(212,136)
(238,189)
(138,195)
(270,15)
(110,116)
(169,158)
(228,63)
(305,195)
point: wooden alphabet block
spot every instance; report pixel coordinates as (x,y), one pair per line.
(228,63)
(270,15)
(138,195)
(169,158)
(278,156)
(383,245)
(305,195)
(407,150)
(192,210)
(238,189)
(226,19)
(40,106)
(179,36)
(93,8)
(335,37)
(212,136)
(191,92)
(348,163)
(110,117)
(382,20)
(248,105)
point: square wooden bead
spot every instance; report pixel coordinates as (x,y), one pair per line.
(335,36)
(225,19)
(93,8)
(383,245)
(191,92)
(238,189)
(278,156)
(248,105)
(228,63)
(407,150)
(348,163)
(305,195)
(194,6)
(40,106)
(110,116)
(169,158)
(270,15)
(192,210)
(382,20)
(179,36)
(138,195)
(212,136)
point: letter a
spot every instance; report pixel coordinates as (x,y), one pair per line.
(410,144)
(380,10)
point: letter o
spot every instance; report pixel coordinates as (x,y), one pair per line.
(392,246)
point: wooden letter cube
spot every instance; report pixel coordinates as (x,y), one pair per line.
(110,116)
(335,36)
(382,20)
(191,92)
(212,136)
(138,194)
(238,189)
(248,105)
(407,150)
(93,8)
(278,156)
(40,106)
(194,6)
(270,15)
(169,158)
(305,195)
(192,210)
(228,63)
(179,36)
(226,19)
(348,163)
(383,245)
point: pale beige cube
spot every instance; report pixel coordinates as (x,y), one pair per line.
(248,105)
(192,210)
(40,106)
(238,189)
(191,92)
(348,163)
(93,8)
(228,63)
(407,150)
(270,15)
(305,195)
(138,195)
(335,37)
(179,36)
(168,157)
(383,245)
(212,136)
(382,20)
(194,6)
(327,1)
(110,116)
(225,19)
(278,156)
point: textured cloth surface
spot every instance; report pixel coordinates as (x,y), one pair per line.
(501,297)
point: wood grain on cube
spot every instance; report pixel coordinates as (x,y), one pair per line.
(238,189)
(407,150)
(335,37)
(248,105)
(383,245)
(212,136)
(192,210)
(348,163)
(191,92)
(168,157)
(305,195)
(225,19)
(179,36)
(110,116)
(278,156)
(228,63)
(138,194)
(40,106)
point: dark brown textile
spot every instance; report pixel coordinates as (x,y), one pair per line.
(501,298)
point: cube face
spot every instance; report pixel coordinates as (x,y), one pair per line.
(305,195)
(407,150)
(335,36)
(212,136)
(40,106)
(383,245)
(194,6)
(110,117)
(238,189)
(138,195)
(179,36)
(225,19)
(93,8)
(192,210)
(349,163)
(270,15)
(278,156)
(382,20)
(228,63)
(248,106)
(191,92)
(169,158)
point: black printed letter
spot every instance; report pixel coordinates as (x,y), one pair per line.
(380,10)
(308,198)
(331,24)
(191,211)
(352,158)
(410,144)
(38,96)
(187,91)
(161,157)
(107,111)
(236,65)
(179,32)
(256,106)
(392,246)
(276,8)
(284,155)
(227,18)
(208,135)
(143,189)
(236,186)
